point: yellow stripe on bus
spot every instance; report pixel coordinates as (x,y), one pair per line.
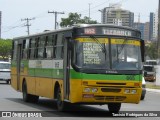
(122,41)
(101,40)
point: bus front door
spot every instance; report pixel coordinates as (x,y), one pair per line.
(66,67)
(19,50)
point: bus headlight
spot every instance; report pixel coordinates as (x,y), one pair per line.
(133,91)
(94,89)
(87,89)
(126,91)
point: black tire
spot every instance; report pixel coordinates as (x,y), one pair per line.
(7,82)
(142,97)
(114,107)
(60,103)
(28,97)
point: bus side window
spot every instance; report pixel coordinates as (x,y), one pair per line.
(49,46)
(14,50)
(24,50)
(40,47)
(58,48)
(32,46)
(55,44)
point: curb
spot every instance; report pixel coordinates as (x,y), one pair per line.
(153,90)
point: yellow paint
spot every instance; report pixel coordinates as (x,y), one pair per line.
(101,40)
(14,81)
(123,41)
(77,92)
(45,87)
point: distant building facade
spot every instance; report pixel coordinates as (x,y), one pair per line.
(114,14)
(139,26)
(153,28)
(146,31)
(144,28)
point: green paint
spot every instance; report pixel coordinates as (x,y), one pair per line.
(43,72)
(77,75)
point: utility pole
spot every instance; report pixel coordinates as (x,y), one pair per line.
(55,12)
(89,12)
(27,24)
(158,40)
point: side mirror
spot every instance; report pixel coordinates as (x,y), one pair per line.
(142,50)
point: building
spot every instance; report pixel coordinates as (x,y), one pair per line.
(139,26)
(114,14)
(153,28)
(144,28)
(0,22)
(146,31)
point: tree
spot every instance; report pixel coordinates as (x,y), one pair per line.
(5,48)
(75,18)
(151,50)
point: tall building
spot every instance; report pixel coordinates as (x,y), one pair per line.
(153,28)
(139,26)
(0,22)
(146,31)
(114,14)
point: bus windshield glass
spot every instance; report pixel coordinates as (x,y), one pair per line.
(119,54)
(125,54)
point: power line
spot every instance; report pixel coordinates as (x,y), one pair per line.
(55,12)
(27,24)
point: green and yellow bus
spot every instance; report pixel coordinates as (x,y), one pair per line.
(84,64)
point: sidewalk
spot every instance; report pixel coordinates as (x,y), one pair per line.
(153,90)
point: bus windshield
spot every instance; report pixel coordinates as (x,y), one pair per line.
(119,54)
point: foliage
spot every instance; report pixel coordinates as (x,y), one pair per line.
(151,50)
(75,18)
(5,48)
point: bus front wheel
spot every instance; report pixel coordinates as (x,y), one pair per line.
(28,97)
(114,107)
(60,102)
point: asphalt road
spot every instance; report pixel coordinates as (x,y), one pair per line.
(11,100)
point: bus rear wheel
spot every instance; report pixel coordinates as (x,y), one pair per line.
(114,107)
(60,102)
(28,97)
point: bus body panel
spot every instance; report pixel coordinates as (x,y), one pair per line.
(43,74)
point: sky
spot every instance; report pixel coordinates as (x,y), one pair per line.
(13,11)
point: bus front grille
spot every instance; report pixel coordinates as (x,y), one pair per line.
(110,90)
(110,98)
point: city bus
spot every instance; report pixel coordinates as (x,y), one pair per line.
(94,64)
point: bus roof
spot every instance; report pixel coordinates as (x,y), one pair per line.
(78,26)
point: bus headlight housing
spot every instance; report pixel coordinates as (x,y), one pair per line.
(133,91)
(93,90)
(126,91)
(87,89)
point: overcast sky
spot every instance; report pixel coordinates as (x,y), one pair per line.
(15,10)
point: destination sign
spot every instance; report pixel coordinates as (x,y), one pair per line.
(108,30)
(119,32)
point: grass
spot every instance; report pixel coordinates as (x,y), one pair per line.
(152,86)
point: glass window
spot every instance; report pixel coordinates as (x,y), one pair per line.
(58,46)
(15,43)
(5,66)
(125,54)
(92,54)
(49,46)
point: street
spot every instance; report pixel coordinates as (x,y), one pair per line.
(11,100)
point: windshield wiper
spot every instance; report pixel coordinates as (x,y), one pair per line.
(100,44)
(122,46)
